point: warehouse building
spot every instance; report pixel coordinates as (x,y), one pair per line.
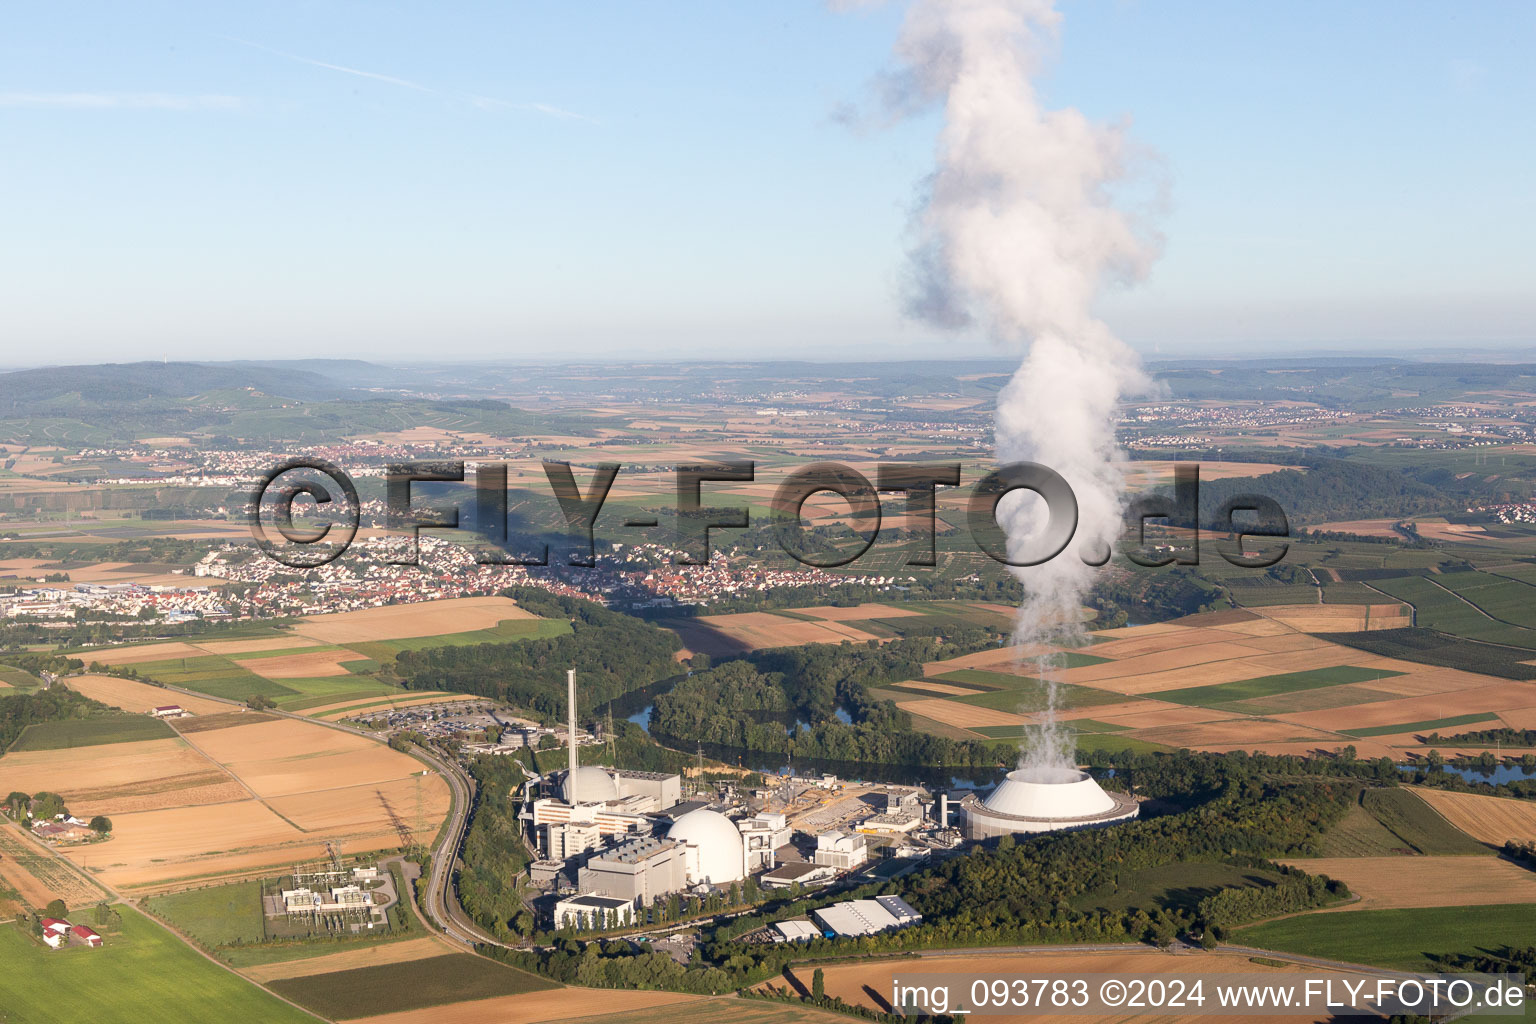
(853,918)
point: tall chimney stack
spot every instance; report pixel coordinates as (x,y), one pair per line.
(570,706)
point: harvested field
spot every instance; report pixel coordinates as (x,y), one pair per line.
(764,629)
(313,665)
(1391,882)
(1237,734)
(134,696)
(963,716)
(368,956)
(261,791)
(340,709)
(273,643)
(928,686)
(109,766)
(1495,697)
(1492,819)
(365,807)
(1162,716)
(831,613)
(434,618)
(868,983)
(559,1004)
(149,652)
(284,757)
(1339,618)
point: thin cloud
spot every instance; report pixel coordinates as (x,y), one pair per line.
(117,101)
(480,102)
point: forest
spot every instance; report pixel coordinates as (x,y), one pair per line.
(612,654)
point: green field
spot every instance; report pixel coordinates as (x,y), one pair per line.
(1271,686)
(435,981)
(1407,939)
(1030,695)
(1418,824)
(1360,834)
(503,632)
(90,732)
(142,973)
(219,915)
(214,675)
(1181,885)
(1437,605)
(310,693)
(19,679)
(1428,725)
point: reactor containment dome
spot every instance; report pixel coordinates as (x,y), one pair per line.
(1044,800)
(588,784)
(716,853)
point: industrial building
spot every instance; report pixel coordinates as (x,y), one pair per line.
(615,803)
(593,911)
(762,835)
(1033,800)
(841,850)
(639,871)
(800,872)
(853,918)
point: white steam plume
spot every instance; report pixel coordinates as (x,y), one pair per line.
(1017,231)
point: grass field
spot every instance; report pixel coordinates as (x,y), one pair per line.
(142,973)
(19,679)
(1429,725)
(1179,885)
(412,985)
(1360,834)
(1271,686)
(1417,824)
(89,732)
(1397,938)
(219,915)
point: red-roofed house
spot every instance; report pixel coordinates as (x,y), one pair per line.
(55,931)
(87,936)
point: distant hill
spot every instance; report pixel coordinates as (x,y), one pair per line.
(316,400)
(133,382)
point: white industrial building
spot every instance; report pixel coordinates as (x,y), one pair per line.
(867,917)
(841,850)
(762,835)
(590,910)
(1044,800)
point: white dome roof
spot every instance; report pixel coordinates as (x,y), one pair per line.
(589,784)
(716,852)
(1049,793)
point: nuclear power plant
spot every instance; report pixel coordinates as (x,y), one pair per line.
(1033,800)
(612,841)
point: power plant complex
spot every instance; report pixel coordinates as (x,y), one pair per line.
(612,842)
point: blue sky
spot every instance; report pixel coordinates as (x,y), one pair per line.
(567,181)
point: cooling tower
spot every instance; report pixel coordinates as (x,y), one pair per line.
(1044,800)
